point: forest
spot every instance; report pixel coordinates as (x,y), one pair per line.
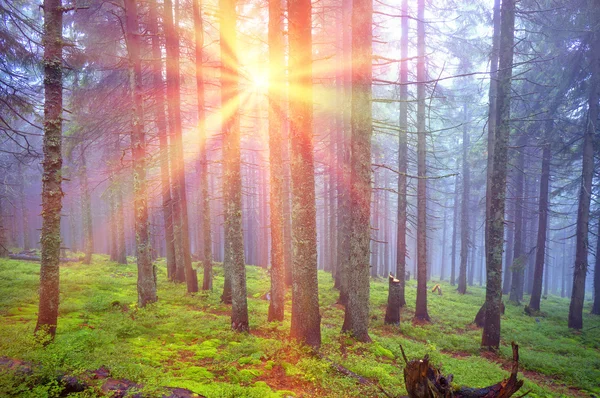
(296,198)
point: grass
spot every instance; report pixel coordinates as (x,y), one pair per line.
(185,341)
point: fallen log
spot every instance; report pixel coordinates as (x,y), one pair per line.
(26,257)
(423,380)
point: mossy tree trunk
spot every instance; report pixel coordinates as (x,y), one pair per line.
(421,305)
(52,178)
(306,319)
(495,224)
(204,207)
(146,281)
(356,319)
(587,173)
(276,83)
(161,126)
(232,179)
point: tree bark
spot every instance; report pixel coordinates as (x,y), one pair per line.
(495,225)
(540,255)
(596,305)
(24,210)
(421,305)
(306,319)
(356,319)
(232,179)
(519,259)
(276,142)
(51,188)
(587,173)
(146,282)
(161,125)
(204,208)
(454,234)
(402,155)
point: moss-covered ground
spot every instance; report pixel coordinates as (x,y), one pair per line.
(185,341)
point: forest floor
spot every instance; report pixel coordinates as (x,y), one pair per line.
(185,341)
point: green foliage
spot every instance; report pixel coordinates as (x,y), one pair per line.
(185,340)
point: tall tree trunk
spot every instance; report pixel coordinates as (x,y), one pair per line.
(596,305)
(306,319)
(356,319)
(232,179)
(3,243)
(540,255)
(183,259)
(161,125)
(374,243)
(344,157)
(421,305)
(276,142)
(402,156)
(443,260)
(519,259)
(146,283)
(204,208)
(495,225)
(454,234)
(466,194)
(86,211)
(112,222)
(587,173)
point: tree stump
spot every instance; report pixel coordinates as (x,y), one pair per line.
(392,312)
(423,380)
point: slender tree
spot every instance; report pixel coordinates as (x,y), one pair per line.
(421,306)
(356,320)
(276,198)
(464,220)
(52,164)
(402,155)
(585,192)
(306,319)
(204,208)
(146,283)
(495,223)
(232,178)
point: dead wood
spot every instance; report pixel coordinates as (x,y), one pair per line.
(424,380)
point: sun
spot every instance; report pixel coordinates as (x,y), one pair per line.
(260,81)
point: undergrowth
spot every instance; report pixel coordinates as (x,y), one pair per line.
(185,341)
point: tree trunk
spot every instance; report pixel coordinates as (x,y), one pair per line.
(52,165)
(356,319)
(421,305)
(204,208)
(495,225)
(519,259)
(596,305)
(344,157)
(583,210)
(276,142)
(510,247)
(374,243)
(121,249)
(466,194)
(161,125)
(146,283)
(24,210)
(454,234)
(232,178)
(540,255)
(306,319)
(86,211)
(402,155)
